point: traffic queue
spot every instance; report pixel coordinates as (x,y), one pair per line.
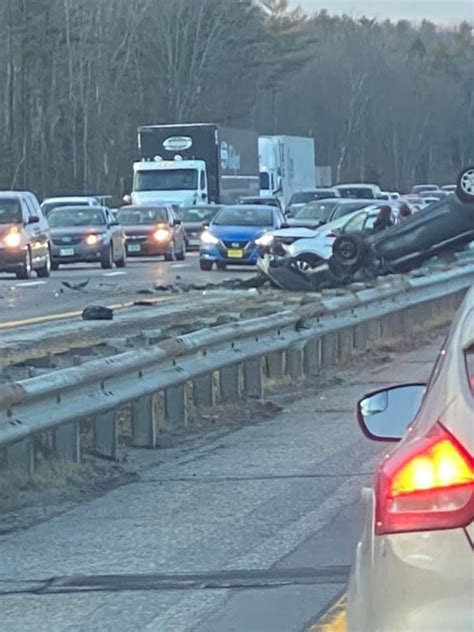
(339,228)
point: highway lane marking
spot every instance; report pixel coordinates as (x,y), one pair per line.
(114,274)
(68,315)
(334,619)
(30,284)
(180,265)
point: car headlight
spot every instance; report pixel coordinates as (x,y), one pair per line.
(264,240)
(12,239)
(92,240)
(162,234)
(208,238)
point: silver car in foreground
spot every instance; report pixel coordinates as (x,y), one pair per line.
(414,566)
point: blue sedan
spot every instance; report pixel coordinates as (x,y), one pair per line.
(234,235)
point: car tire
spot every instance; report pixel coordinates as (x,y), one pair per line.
(54,265)
(205,266)
(465,185)
(306,262)
(45,271)
(221,266)
(26,267)
(108,261)
(122,262)
(349,250)
(171,255)
(340,275)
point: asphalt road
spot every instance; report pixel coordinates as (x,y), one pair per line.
(248,530)
(35,298)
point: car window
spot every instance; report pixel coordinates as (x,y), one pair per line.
(196,214)
(203,181)
(63,217)
(469,359)
(356,223)
(344,209)
(10,211)
(242,216)
(139,216)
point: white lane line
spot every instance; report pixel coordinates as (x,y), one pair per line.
(30,284)
(113,274)
(180,265)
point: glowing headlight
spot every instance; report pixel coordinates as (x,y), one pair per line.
(264,240)
(162,234)
(208,238)
(92,240)
(12,240)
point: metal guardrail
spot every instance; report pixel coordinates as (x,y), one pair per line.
(290,341)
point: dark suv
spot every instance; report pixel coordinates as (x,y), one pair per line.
(25,242)
(442,227)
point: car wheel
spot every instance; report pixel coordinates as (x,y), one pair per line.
(26,267)
(122,262)
(221,266)
(108,261)
(306,262)
(338,273)
(45,271)
(465,185)
(206,266)
(349,250)
(54,265)
(171,255)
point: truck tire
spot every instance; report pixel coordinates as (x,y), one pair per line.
(465,185)
(205,266)
(349,250)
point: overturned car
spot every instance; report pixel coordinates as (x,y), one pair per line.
(441,228)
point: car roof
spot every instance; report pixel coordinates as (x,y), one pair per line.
(142,207)
(70,198)
(370,202)
(16,195)
(79,208)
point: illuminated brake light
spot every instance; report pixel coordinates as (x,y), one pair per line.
(428,486)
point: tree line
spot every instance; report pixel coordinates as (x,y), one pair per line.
(386,102)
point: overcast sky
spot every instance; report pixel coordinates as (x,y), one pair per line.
(444,11)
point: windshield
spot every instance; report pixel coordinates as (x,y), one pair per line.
(138,216)
(264,181)
(199,215)
(63,217)
(345,209)
(304,197)
(166,180)
(356,192)
(242,216)
(47,207)
(10,212)
(319,211)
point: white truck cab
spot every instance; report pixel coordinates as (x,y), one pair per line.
(178,181)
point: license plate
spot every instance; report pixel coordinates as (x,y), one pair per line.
(134,248)
(66,252)
(235,254)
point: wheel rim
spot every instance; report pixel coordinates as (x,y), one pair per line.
(467,182)
(28,264)
(302,265)
(48,262)
(347,250)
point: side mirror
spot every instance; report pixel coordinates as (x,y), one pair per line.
(205,224)
(289,213)
(33,219)
(127,199)
(385,415)
(178,222)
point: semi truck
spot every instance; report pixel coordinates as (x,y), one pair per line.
(195,164)
(287,165)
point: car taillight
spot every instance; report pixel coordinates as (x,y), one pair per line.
(428,486)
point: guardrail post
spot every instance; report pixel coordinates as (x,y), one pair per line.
(329,344)
(276,365)
(254,381)
(106,435)
(295,362)
(204,394)
(230,383)
(143,413)
(176,412)
(21,457)
(345,343)
(313,356)
(361,336)
(67,442)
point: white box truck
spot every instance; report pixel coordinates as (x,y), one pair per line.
(287,165)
